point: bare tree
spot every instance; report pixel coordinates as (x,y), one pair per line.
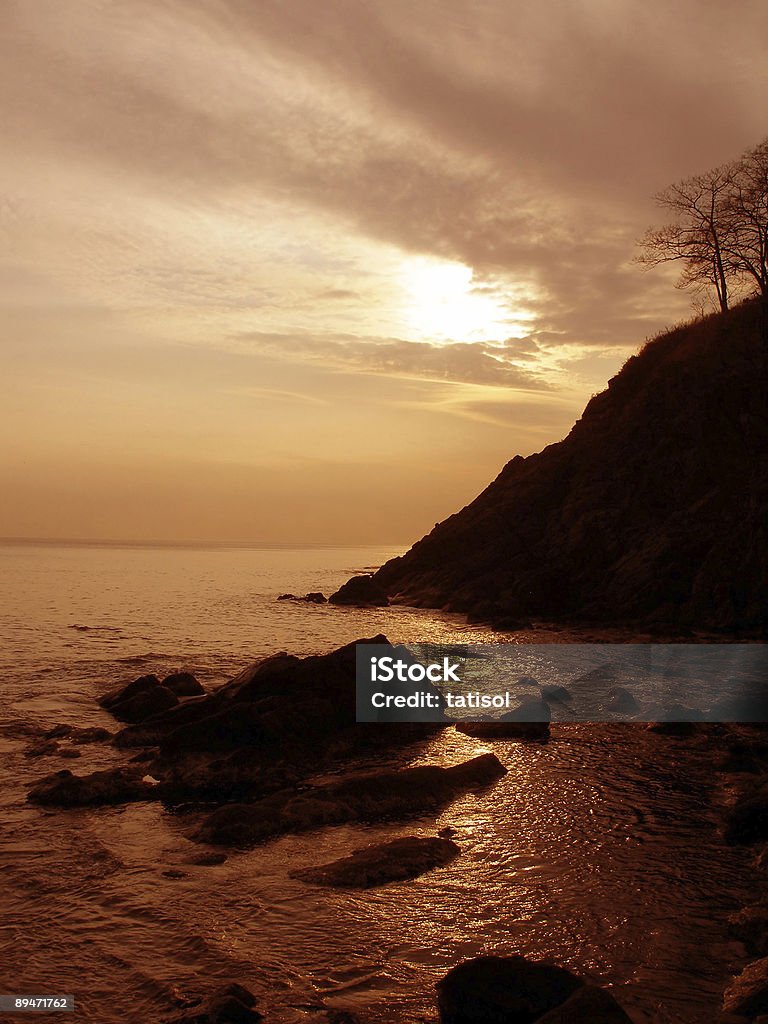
(747,255)
(701,235)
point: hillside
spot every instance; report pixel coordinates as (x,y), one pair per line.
(653,510)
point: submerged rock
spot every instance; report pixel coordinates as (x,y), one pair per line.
(371,797)
(363,591)
(113,786)
(396,860)
(232,1004)
(514,990)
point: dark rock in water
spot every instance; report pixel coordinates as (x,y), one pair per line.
(527,681)
(315,597)
(149,702)
(502,990)
(371,797)
(58,731)
(747,821)
(503,730)
(622,701)
(113,786)
(174,873)
(232,1004)
(559,693)
(130,690)
(513,990)
(747,994)
(207,860)
(653,509)
(588,1005)
(362,591)
(43,748)
(396,860)
(183,684)
(750,926)
(71,753)
(93,734)
(531,710)
(287,597)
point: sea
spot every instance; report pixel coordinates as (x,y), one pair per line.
(600,850)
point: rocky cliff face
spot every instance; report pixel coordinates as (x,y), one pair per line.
(653,510)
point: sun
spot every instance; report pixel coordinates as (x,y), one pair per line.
(442,303)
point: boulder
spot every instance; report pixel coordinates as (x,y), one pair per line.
(130,690)
(375,865)
(747,994)
(362,591)
(531,710)
(315,597)
(558,693)
(149,702)
(93,734)
(502,990)
(183,684)
(411,792)
(622,701)
(113,786)
(43,748)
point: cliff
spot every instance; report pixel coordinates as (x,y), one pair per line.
(653,510)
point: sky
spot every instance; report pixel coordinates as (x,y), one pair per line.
(292,272)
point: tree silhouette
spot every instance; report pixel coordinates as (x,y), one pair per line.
(718,230)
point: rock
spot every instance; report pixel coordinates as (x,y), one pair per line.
(94,734)
(362,591)
(43,748)
(126,692)
(113,786)
(58,731)
(501,730)
(315,597)
(149,702)
(71,753)
(207,860)
(502,990)
(287,597)
(588,1005)
(750,926)
(747,994)
(183,684)
(622,701)
(558,693)
(531,710)
(174,873)
(371,797)
(375,865)
(747,821)
(232,1004)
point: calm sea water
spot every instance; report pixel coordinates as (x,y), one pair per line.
(600,850)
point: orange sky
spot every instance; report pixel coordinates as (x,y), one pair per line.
(300,272)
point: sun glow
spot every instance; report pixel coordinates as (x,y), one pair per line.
(444,303)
